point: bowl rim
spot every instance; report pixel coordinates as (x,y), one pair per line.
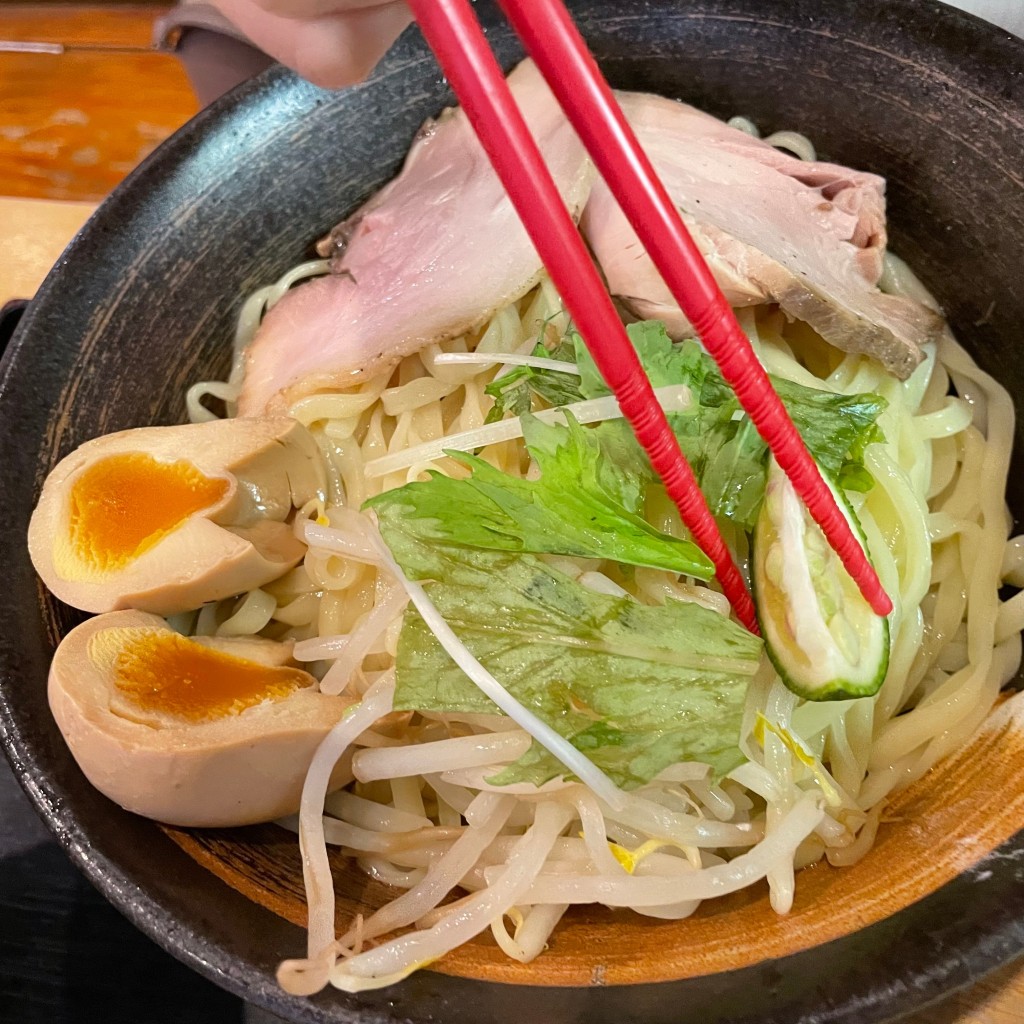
(917,982)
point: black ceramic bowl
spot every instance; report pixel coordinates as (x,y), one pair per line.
(143,301)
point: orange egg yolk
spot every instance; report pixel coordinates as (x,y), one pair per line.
(165,673)
(122,505)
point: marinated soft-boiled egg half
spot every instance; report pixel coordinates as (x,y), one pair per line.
(165,519)
(188,730)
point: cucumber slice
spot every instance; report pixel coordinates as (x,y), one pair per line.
(821,635)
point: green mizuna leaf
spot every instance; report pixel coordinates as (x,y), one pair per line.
(584,503)
(733,472)
(835,428)
(636,688)
(513,392)
(665,362)
(726,453)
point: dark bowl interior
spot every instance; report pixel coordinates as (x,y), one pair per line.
(142,304)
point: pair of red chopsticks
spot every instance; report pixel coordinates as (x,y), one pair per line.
(553,41)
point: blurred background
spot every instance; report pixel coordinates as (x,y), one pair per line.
(84,95)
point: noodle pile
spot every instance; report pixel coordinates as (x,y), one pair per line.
(421,815)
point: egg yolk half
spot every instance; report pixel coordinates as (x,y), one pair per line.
(165,674)
(124,504)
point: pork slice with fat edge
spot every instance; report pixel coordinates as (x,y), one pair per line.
(433,255)
(805,234)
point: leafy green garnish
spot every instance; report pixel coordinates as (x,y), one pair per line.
(835,427)
(727,455)
(513,392)
(636,688)
(664,361)
(584,503)
(732,467)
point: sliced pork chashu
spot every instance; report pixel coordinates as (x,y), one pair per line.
(807,235)
(432,255)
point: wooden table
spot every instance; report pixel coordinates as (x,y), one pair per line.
(83,97)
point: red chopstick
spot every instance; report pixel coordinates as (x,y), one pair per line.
(554,42)
(454,34)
